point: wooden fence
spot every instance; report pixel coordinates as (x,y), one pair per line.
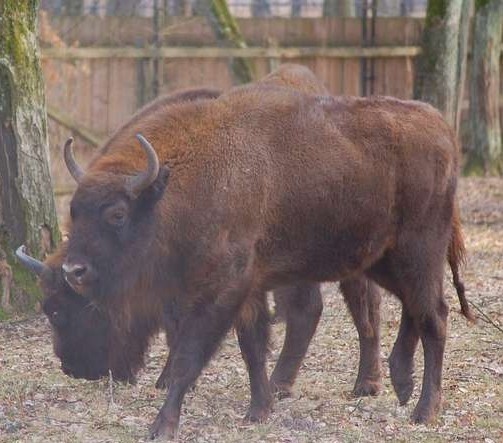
(98,71)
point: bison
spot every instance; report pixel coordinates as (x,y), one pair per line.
(88,348)
(267,187)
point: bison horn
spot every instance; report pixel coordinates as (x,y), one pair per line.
(75,170)
(144,179)
(30,263)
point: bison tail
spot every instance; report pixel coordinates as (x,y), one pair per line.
(456,256)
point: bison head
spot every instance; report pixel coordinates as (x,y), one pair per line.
(112,222)
(81,333)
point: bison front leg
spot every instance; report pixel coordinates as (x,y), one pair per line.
(200,332)
(301,306)
(363,299)
(253,336)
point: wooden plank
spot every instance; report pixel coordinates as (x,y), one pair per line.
(62,118)
(195,31)
(398,74)
(331,70)
(215,52)
(351,69)
(121,105)
(99,95)
(83,107)
(186,73)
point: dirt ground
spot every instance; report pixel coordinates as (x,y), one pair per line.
(38,403)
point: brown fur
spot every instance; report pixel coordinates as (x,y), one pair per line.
(269,186)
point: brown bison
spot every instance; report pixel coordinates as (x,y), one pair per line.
(268,187)
(88,347)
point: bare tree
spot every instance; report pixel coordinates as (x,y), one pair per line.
(261,8)
(339,8)
(296,8)
(440,69)
(122,7)
(26,199)
(486,151)
(227,32)
(72,7)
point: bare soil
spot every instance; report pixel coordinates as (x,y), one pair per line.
(38,403)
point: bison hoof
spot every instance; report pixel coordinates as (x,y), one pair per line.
(257,414)
(423,416)
(162,383)
(162,429)
(403,389)
(281,390)
(366,388)
(402,378)
(427,409)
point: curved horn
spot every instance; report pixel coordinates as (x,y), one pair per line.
(30,263)
(76,171)
(144,179)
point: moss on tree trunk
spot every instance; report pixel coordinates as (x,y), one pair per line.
(227,30)
(26,198)
(486,152)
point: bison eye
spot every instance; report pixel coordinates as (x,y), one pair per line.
(116,215)
(117,219)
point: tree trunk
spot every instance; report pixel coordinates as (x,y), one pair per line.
(27,210)
(127,8)
(260,8)
(339,8)
(438,74)
(464,34)
(227,31)
(486,152)
(296,8)
(72,7)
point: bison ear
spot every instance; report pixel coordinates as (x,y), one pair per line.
(155,191)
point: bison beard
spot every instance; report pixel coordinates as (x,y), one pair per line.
(268,187)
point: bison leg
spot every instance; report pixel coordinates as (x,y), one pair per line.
(401,360)
(170,328)
(164,379)
(302,306)
(253,340)
(198,337)
(417,281)
(432,326)
(362,298)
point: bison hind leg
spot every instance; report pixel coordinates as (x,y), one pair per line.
(401,360)
(363,299)
(301,306)
(415,275)
(253,337)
